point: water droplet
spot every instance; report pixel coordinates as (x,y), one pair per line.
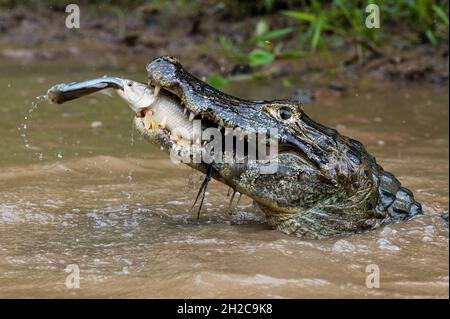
(59,155)
(127,195)
(24,125)
(96,124)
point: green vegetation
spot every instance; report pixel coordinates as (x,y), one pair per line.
(259,49)
(256,51)
(339,19)
(346,20)
(317,24)
(311,26)
(327,26)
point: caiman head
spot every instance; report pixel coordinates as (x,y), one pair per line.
(315,182)
(323,183)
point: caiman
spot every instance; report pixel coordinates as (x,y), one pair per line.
(324,184)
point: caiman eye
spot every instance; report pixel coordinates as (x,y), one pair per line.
(285,114)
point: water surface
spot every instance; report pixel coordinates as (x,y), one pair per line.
(89,191)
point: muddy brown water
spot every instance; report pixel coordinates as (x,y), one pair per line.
(89,191)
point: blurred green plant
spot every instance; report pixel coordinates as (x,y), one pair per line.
(426,18)
(327,25)
(432,19)
(318,25)
(258,49)
(346,21)
(218,81)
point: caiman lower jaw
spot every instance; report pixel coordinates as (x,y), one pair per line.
(158,136)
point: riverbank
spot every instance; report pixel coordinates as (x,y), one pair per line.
(196,36)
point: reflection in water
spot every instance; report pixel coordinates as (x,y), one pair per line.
(120,209)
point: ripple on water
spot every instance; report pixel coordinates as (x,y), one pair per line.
(385,244)
(14,214)
(262,280)
(343,246)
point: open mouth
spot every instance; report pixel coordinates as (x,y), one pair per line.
(168,116)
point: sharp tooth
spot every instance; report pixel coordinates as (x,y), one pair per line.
(221,122)
(191,116)
(148,119)
(197,141)
(185,111)
(147,123)
(183,143)
(204,143)
(179,139)
(157,89)
(164,122)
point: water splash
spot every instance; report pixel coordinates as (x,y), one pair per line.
(132,137)
(190,183)
(24,125)
(130,176)
(127,195)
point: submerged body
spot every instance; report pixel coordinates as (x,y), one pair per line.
(325,184)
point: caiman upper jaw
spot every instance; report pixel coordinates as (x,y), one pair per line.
(202,100)
(227,111)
